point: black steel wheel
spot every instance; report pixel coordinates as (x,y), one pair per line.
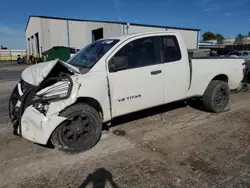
(216,96)
(221,97)
(80,132)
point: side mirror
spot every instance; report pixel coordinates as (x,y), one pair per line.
(118,63)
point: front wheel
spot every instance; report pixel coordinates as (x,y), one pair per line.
(216,97)
(80,132)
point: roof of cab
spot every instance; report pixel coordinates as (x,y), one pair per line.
(131,35)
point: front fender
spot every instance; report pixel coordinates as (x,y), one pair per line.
(56,107)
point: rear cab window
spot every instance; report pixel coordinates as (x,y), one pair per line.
(170,49)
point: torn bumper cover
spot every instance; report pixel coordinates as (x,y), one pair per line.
(29,122)
(32,122)
(43,92)
(35,126)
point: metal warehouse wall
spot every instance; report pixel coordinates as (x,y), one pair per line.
(138,29)
(81,32)
(45,32)
(60,32)
(33,28)
(55,33)
(191,38)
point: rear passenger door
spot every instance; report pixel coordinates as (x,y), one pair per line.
(175,67)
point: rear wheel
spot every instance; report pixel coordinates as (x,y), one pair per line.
(248,77)
(216,96)
(80,132)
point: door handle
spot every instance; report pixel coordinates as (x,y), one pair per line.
(156,72)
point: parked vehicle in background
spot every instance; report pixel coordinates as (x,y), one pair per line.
(239,54)
(67,103)
(232,54)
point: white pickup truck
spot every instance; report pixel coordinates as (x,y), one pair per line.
(67,103)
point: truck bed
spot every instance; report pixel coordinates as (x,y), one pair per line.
(198,53)
(204,54)
(204,70)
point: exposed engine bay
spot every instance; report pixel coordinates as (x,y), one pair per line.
(39,89)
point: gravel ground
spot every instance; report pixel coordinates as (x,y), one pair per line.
(171,146)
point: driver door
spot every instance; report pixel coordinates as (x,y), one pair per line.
(139,85)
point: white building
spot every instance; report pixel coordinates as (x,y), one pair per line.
(43,33)
(246,40)
(11,54)
(208,43)
(228,41)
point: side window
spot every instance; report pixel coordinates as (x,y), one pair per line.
(139,53)
(170,49)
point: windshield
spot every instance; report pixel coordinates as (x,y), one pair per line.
(89,55)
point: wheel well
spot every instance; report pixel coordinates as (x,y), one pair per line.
(91,102)
(221,77)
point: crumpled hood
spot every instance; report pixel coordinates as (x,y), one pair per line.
(35,74)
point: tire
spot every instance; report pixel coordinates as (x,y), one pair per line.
(216,97)
(80,132)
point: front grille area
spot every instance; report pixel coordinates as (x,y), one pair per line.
(16,111)
(25,86)
(15,97)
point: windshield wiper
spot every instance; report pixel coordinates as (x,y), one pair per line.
(83,67)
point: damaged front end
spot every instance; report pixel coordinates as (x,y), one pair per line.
(30,101)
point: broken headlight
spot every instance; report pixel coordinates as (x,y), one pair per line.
(58,90)
(54,89)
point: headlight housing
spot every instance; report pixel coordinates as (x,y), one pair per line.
(58,90)
(53,89)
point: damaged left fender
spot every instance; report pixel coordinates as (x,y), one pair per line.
(38,127)
(45,91)
(56,107)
